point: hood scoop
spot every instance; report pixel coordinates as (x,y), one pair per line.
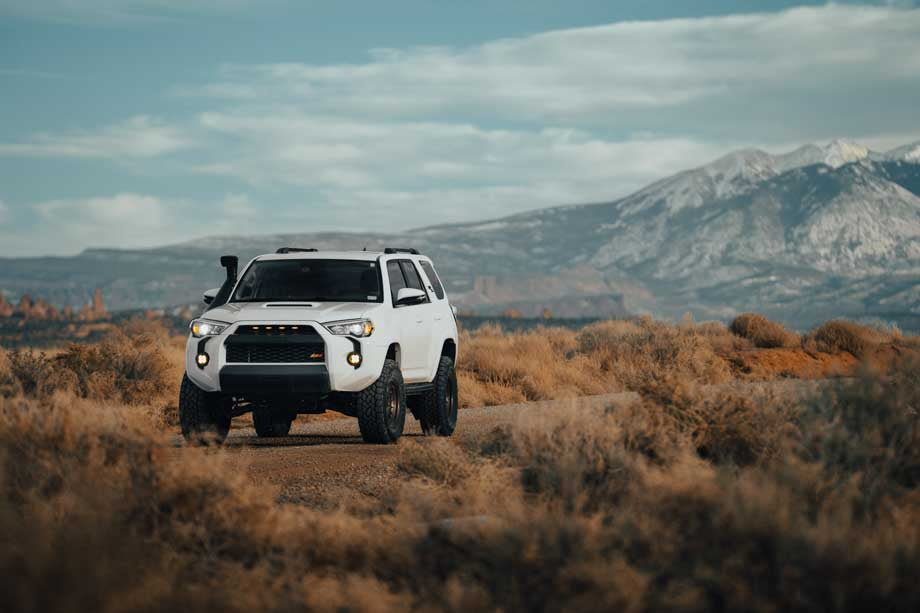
(297,305)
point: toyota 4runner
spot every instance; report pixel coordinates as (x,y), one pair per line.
(367,334)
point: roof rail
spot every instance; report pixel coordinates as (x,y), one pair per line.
(389,250)
(295,250)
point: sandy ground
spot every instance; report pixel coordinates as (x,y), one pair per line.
(322,462)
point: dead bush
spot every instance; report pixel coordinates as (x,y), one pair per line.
(839,335)
(541,364)
(636,352)
(437,459)
(673,503)
(9,383)
(725,426)
(129,369)
(721,339)
(763,332)
(33,372)
(870,428)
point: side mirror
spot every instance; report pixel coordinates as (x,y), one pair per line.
(409,295)
(210,295)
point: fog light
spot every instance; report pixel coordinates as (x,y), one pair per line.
(354,359)
(202,359)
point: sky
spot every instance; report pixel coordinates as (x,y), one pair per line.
(137,123)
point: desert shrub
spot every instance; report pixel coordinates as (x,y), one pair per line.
(839,335)
(566,508)
(870,428)
(763,332)
(541,364)
(740,427)
(33,372)
(129,369)
(435,459)
(643,350)
(9,383)
(721,339)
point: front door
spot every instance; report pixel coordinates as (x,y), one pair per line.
(415,321)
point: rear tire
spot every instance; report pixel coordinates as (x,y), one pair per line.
(202,415)
(438,410)
(271,423)
(381,407)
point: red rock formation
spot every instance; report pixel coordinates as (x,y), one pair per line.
(41,310)
(95,310)
(6,309)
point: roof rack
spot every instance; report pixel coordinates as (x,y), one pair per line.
(389,250)
(295,250)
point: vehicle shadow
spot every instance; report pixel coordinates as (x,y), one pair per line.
(244,439)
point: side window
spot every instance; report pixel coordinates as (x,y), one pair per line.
(397,282)
(412,277)
(433,277)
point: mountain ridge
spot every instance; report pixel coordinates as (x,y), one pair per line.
(812,230)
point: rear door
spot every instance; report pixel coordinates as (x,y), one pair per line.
(441,313)
(414,321)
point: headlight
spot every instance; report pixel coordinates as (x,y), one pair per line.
(205,327)
(351,327)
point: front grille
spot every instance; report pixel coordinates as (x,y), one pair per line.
(274,354)
(276,330)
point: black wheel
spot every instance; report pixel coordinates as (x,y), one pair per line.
(270,422)
(202,415)
(381,407)
(438,410)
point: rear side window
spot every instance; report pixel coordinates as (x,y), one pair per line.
(433,277)
(397,282)
(411,274)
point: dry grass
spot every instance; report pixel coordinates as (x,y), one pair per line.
(686,500)
(683,502)
(556,363)
(840,335)
(139,365)
(142,364)
(763,332)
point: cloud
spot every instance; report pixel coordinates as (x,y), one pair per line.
(426,135)
(126,220)
(461,169)
(591,74)
(137,137)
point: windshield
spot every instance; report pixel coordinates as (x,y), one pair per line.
(310,281)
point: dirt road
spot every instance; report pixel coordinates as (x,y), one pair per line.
(321,461)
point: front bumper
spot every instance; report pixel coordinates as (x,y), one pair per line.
(242,379)
(274,380)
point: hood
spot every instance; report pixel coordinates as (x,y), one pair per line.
(322,312)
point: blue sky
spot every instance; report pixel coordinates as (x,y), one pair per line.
(129,123)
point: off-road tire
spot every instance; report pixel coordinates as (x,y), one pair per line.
(380,421)
(438,408)
(202,415)
(271,423)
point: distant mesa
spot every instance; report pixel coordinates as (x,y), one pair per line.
(31,309)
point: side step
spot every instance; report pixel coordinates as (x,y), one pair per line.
(415,389)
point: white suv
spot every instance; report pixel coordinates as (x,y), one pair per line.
(300,331)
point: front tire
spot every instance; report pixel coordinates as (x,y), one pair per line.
(202,415)
(438,411)
(381,407)
(271,423)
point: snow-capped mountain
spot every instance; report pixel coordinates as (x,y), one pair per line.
(818,232)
